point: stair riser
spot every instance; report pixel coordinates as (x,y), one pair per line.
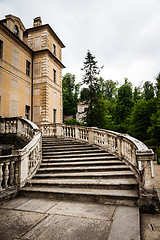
(128,201)
(50,165)
(75,151)
(47,171)
(83,177)
(88,186)
(54,160)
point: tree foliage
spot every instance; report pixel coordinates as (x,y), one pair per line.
(119,108)
(70,95)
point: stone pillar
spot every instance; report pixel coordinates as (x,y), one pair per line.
(148,196)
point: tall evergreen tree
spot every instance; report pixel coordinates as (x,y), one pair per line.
(90,78)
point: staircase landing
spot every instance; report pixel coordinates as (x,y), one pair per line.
(32,218)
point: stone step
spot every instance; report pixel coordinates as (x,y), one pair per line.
(73,151)
(68,147)
(81,163)
(94,175)
(51,158)
(82,169)
(71,155)
(128,197)
(63,144)
(129,183)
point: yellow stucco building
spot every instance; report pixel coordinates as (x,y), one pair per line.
(30,71)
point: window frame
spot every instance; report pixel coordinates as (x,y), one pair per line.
(27,111)
(28,68)
(54,75)
(54,115)
(16,30)
(54,49)
(1,49)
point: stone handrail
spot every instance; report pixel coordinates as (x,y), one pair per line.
(127,148)
(17,168)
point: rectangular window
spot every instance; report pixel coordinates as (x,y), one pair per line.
(54,75)
(54,115)
(37,69)
(28,65)
(36,114)
(14,108)
(37,42)
(15,58)
(27,111)
(1,49)
(54,49)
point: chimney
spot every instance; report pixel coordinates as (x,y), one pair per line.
(37,22)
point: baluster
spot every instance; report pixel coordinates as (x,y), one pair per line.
(1,175)
(16,180)
(6,174)
(11,174)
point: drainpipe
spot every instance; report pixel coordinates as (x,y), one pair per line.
(32,90)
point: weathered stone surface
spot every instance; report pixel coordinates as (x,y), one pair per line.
(150,226)
(126,224)
(14,203)
(85,210)
(37,205)
(14,224)
(57,227)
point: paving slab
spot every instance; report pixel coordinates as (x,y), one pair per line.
(125,224)
(150,226)
(58,227)
(14,223)
(15,202)
(37,205)
(84,210)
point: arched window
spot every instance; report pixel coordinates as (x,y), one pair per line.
(16,30)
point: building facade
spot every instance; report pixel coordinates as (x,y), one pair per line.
(30,71)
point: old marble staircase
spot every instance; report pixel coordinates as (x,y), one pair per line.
(78,171)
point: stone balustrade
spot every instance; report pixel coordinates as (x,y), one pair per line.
(17,168)
(126,148)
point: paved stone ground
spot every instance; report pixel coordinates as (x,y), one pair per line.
(150,223)
(46,219)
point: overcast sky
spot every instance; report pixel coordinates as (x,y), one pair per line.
(123,35)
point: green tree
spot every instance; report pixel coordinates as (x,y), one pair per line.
(141,118)
(109,89)
(90,78)
(95,115)
(124,104)
(137,94)
(148,90)
(84,94)
(70,94)
(154,129)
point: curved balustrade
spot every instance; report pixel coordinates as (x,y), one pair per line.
(16,168)
(124,146)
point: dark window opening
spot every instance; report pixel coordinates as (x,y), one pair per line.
(54,49)
(16,30)
(28,64)
(54,115)
(1,49)
(54,75)
(27,111)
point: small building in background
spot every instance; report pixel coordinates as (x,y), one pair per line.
(81,111)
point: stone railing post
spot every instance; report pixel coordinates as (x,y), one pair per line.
(91,136)
(59,130)
(148,196)
(76,133)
